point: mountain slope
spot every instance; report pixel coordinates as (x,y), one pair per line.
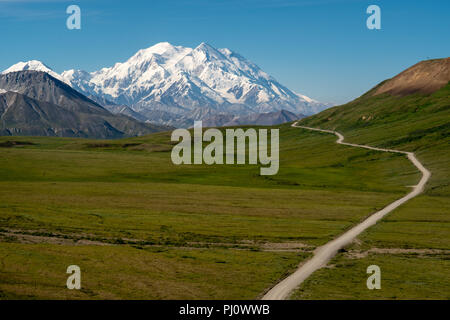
(402,113)
(22,115)
(35,103)
(424,77)
(33,65)
(43,87)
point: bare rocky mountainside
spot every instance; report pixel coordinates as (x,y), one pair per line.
(36,103)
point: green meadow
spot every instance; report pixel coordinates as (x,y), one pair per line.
(403,276)
(37,271)
(141,227)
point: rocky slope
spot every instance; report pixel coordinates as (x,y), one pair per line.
(35,103)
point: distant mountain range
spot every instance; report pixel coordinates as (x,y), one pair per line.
(175,85)
(267,119)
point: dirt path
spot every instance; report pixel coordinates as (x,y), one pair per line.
(324,253)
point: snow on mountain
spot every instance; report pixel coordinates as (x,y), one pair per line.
(33,65)
(177,80)
(167,81)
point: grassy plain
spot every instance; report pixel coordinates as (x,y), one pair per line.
(141,227)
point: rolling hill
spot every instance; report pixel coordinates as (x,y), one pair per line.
(411,112)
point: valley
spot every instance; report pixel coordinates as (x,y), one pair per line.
(188,218)
(141,227)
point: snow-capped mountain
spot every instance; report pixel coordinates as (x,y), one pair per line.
(175,81)
(34,65)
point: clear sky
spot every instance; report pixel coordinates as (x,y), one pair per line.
(320,48)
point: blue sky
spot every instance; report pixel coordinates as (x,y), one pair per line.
(320,48)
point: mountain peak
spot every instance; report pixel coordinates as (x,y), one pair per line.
(28,65)
(162,50)
(205,45)
(33,65)
(208,51)
(159,48)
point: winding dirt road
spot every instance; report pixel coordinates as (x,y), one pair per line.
(324,253)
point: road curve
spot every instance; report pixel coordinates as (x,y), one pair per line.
(324,253)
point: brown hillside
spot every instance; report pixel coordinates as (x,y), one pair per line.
(424,77)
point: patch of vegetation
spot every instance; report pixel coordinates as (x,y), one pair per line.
(13,143)
(117,272)
(403,276)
